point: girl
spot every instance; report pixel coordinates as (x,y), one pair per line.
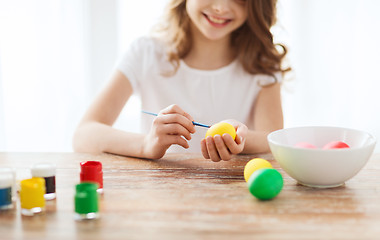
(212,60)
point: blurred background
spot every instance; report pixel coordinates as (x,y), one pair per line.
(56,55)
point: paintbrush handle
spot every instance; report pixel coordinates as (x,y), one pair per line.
(195,123)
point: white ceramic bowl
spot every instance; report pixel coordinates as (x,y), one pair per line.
(322,168)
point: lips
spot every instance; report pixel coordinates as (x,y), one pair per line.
(217,21)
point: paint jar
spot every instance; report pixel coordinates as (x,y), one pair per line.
(6,185)
(86,201)
(46,171)
(91,171)
(32,196)
(8,170)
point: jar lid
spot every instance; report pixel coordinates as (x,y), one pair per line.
(91,171)
(43,170)
(6,179)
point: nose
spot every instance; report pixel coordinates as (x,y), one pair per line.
(220,6)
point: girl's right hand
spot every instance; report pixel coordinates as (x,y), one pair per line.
(171,126)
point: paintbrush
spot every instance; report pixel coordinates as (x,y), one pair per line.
(195,123)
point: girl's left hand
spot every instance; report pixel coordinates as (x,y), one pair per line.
(223,147)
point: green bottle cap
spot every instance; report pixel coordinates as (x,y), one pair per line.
(86,198)
(265,183)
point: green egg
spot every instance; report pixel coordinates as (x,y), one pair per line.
(265,184)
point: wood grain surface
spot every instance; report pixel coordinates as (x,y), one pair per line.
(184,196)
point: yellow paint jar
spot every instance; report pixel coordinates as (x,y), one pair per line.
(32,196)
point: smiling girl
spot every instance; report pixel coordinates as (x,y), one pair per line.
(209,61)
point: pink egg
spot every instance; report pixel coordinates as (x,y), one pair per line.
(336,144)
(305,145)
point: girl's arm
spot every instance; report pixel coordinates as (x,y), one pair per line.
(267,118)
(95,132)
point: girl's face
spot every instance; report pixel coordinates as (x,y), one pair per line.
(216,19)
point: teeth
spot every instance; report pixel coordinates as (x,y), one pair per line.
(217,20)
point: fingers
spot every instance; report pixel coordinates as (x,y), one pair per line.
(175,139)
(211,149)
(174,114)
(241,131)
(176,119)
(174,129)
(215,149)
(219,148)
(235,147)
(175,109)
(204,149)
(238,139)
(172,126)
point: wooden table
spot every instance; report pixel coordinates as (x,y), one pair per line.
(187,197)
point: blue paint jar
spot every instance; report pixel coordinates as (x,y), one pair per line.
(8,170)
(6,183)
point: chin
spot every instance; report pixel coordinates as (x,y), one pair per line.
(215,37)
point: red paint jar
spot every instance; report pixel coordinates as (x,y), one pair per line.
(91,171)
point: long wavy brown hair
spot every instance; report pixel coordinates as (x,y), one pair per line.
(253,41)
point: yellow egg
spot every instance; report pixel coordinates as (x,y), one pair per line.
(253,165)
(220,129)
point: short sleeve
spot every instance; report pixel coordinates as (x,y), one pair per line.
(131,63)
(264,79)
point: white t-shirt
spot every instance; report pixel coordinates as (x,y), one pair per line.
(209,96)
